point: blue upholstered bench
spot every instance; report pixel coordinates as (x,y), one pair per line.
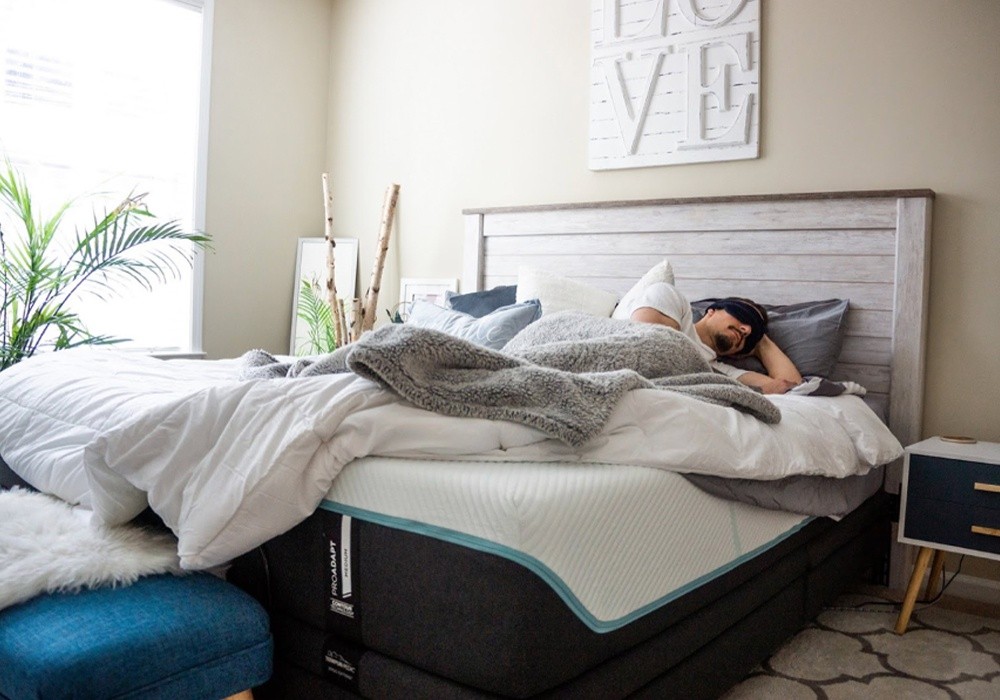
(166,636)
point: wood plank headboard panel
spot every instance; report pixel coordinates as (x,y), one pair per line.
(870,247)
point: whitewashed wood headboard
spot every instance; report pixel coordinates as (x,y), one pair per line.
(870,247)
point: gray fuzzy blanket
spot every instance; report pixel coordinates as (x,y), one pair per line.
(563,374)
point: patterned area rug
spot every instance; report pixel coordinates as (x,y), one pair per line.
(851,651)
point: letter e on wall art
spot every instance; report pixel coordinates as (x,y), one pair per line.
(674,81)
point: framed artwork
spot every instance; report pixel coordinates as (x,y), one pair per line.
(674,82)
(310,266)
(412,289)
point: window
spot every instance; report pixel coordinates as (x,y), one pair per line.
(104,96)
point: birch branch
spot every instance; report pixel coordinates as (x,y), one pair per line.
(355,319)
(367,320)
(331,281)
(340,324)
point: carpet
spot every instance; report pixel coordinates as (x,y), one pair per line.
(47,545)
(851,651)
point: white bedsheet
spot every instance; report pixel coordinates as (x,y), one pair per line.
(229,464)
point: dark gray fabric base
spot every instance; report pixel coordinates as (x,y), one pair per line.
(728,646)
(8,479)
(747,642)
(485,623)
(471,616)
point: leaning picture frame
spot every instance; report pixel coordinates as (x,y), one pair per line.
(310,265)
(434,290)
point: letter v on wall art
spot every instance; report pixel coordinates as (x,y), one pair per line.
(674,81)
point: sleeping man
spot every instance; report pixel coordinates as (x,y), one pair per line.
(730,327)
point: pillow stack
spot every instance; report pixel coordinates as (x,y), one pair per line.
(810,333)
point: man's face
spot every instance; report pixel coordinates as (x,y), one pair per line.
(728,334)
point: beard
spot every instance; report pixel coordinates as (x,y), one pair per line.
(723,343)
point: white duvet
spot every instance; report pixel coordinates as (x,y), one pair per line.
(229,464)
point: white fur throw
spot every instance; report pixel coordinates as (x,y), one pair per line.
(47,545)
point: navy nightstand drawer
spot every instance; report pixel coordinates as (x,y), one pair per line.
(954,480)
(946,523)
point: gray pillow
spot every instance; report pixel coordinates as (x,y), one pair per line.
(492,330)
(479,304)
(811,333)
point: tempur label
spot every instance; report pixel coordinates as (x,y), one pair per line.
(341,660)
(341,584)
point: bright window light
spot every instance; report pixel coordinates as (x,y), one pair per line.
(102,96)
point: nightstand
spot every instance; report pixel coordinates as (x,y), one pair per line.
(950,503)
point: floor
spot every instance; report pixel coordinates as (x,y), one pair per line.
(950,650)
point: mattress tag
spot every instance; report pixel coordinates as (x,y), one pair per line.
(341,661)
(340,597)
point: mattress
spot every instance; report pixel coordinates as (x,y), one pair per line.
(613,541)
(441,620)
(513,578)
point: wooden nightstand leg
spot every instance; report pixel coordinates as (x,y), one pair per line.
(923,557)
(934,580)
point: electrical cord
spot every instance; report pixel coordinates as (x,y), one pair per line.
(944,586)
(893,605)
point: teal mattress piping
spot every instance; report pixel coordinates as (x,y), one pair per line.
(542,570)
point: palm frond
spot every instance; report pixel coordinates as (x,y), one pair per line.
(126,247)
(314,311)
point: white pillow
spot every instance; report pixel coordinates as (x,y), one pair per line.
(562,293)
(661,272)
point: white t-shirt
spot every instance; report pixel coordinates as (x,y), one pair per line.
(668,301)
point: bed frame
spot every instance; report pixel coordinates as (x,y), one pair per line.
(869,247)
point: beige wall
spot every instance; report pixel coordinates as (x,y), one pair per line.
(267,148)
(470,104)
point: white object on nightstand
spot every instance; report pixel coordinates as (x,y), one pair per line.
(950,502)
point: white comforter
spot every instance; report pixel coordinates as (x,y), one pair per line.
(229,464)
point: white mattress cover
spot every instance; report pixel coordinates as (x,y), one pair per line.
(614,541)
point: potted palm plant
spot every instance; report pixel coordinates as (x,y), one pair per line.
(42,268)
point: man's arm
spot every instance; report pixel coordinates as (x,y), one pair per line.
(781,375)
(646,314)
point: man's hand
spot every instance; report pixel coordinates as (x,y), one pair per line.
(766,384)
